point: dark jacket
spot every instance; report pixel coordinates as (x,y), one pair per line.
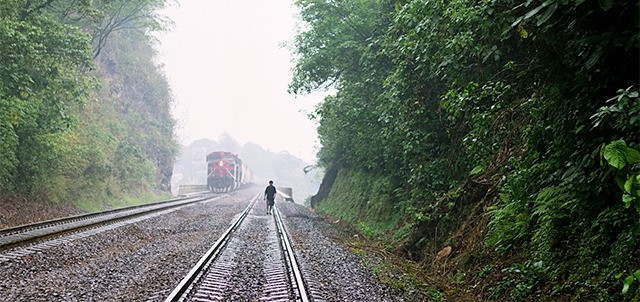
(270,192)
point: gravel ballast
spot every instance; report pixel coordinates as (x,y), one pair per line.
(144,261)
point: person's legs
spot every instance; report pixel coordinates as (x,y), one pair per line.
(269,206)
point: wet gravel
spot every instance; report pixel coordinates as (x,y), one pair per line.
(340,274)
(144,261)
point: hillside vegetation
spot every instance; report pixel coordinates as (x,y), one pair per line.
(84,108)
(494,142)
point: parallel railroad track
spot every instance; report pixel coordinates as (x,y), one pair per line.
(215,276)
(22,235)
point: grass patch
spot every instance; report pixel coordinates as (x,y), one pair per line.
(403,276)
(363,201)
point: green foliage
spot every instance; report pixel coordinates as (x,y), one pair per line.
(525,278)
(619,155)
(132,167)
(508,94)
(365,201)
(622,111)
(64,136)
(631,283)
(42,78)
(341,46)
(626,160)
(140,95)
(339,52)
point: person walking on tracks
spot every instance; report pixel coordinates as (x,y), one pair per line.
(270,196)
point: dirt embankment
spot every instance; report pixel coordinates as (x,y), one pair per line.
(18,210)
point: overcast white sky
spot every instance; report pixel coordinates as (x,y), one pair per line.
(229,74)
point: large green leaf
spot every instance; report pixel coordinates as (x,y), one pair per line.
(615,154)
(630,282)
(629,184)
(632,155)
(547,14)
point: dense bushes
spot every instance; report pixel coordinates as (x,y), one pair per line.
(364,201)
(435,95)
(85,109)
(41,80)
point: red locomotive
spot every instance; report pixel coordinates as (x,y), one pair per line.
(226,172)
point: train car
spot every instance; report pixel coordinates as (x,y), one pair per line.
(226,172)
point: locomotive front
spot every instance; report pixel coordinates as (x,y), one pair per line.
(224,171)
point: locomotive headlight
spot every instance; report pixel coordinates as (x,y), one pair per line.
(220,164)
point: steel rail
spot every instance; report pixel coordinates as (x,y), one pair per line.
(39,224)
(208,257)
(11,237)
(291,257)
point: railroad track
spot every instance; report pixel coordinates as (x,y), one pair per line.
(82,225)
(226,273)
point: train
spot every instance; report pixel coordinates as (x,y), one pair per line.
(226,172)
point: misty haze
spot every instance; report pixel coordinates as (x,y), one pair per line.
(419,150)
(283,168)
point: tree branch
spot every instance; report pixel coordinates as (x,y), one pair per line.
(28,10)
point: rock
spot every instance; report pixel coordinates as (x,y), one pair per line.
(446,251)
